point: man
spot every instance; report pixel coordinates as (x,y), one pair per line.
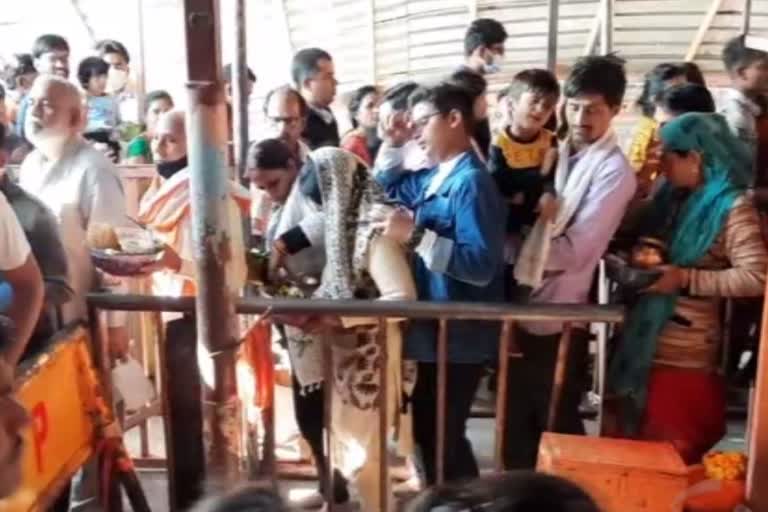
(116,55)
(82,189)
(13,421)
(12,142)
(484,46)
(313,74)
(227,76)
(286,112)
(594,184)
(18,268)
(51,57)
(42,232)
(483,54)
(458,238)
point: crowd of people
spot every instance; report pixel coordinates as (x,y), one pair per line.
(420,200)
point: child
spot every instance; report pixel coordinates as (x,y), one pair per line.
(103,109)
(741,104)
(523,155)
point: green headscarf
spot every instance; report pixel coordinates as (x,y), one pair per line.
(726,169)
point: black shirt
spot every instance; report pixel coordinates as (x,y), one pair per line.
(319,133)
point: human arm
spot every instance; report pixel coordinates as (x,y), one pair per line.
(51,258)
(746,254)
(401,185)
(595,220)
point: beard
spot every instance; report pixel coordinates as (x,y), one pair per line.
(47,140)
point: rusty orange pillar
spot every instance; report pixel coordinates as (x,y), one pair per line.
(216,320)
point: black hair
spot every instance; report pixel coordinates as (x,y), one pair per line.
(89,68)
(306,63)
(397,96)
(483,32)
(106,46)
(287,89)
(539,81)
(517,491)
(357,100)
(49,43)
(470,81)
(155,96)
(2,97)
(655,83)
(685,98)
(270,154)
(737,55)
(602,75)
(446,97)
(248,498)
(226,73)
(693,73)
(3,135)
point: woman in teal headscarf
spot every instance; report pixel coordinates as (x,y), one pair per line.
(665,372)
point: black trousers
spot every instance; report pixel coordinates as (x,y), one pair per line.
(529,389)
(462,384)
(309,410)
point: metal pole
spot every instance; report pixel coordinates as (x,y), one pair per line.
(606,34)
(746,15)
(216,321)
(240,92)
(552,22)
(501,394)
(442,382)
(141,83)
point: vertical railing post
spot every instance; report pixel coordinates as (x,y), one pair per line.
(327,423)
(240,92)
(216,321)
(552,27)
(558,380)
(442,382)
(381,339)
(745,20)
(606,29)
(501,393)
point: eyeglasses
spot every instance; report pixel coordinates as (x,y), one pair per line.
(288,120)
(422,121)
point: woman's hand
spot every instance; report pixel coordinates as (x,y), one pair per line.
(672,280)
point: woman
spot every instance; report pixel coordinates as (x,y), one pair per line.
(139,149)
(360,263)
(669,350)
(363,139)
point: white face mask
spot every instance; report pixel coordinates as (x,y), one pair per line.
(494,66)
(117,79)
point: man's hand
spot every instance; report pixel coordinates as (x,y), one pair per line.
(398,225)
(277,256)
(549,206)
(395,129)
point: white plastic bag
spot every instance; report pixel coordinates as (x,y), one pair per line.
(132,386)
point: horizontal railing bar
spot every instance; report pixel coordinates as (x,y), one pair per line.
(375,308)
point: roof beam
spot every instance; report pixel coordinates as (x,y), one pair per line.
(552,19)
(746,13)
(606,32)
(594,31)
(709,17)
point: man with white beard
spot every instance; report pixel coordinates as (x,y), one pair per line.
(82,189)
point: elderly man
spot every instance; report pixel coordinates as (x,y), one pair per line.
(13,421)
(83,190)
(286,111)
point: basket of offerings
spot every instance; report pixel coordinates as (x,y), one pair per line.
(125,252)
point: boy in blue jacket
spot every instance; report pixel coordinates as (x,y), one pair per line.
(453,219)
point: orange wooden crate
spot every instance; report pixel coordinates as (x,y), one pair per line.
(621,475)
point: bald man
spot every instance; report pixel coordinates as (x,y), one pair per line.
(82,189)
(286,113)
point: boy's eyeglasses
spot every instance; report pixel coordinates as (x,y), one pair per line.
(422,121)
(288,121)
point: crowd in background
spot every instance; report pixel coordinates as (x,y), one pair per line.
(420,200)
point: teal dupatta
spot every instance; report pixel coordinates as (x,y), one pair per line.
(726,166)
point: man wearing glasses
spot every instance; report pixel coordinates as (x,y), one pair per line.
(452,219)
(286,112)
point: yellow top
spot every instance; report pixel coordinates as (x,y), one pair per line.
(641,141)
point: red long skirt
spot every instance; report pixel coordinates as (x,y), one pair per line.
(687,408)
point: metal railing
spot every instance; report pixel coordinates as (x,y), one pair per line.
(442,312)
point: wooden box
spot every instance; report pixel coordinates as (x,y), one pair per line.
(621,475)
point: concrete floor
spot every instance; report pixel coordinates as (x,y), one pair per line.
(481,434)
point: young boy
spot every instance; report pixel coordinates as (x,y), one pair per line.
(103,108)
(741,104)
(523,155)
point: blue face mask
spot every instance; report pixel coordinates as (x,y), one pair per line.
(494,66)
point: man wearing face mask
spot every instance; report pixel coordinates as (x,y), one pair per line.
(484,53)
(116,55)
